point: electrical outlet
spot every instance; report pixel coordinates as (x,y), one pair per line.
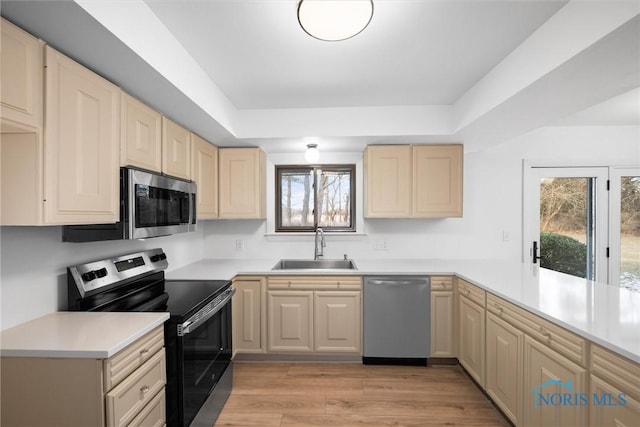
(506,236)
(380,245)
(239,245)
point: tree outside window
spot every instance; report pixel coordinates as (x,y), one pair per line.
(315,196)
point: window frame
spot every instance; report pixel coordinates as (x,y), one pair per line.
(351,168)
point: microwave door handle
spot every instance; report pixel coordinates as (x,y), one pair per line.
(189,326)
(192,208)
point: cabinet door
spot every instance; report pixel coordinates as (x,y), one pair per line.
(205,174)
(387,181)
(337,322)
(442,324)
(504,361)
(548,377)
(176,149)
(437,181)
(21,69)
(472,340)
(21,179)
(612,411)
(248,313)
(242,183)
(82,141)
(290,321)
(141,135)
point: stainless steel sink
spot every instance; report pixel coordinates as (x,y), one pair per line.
(310,264)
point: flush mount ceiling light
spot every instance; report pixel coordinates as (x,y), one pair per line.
(334,20)
(312,154)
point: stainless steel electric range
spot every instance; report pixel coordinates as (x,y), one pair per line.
(197,334)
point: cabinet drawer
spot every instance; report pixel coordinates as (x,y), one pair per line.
(131,358)
(349,283)
(152,415)
(472,292)
(136,391)
(441,283)
(614,414)
(616,370)
(557,338)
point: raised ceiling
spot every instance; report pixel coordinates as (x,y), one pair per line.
(412,52)
(243,72)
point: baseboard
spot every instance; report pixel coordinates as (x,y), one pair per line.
(443,361)
(307,358)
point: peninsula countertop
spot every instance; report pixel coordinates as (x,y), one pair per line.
(606,315)
(74,334)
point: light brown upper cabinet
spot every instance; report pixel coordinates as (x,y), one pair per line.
(68,172)
(387,181)
(242,183)
(437,181)
(141,135)
(20,79)
(205,174)
(176,149)
(419,181)
(21,109)
(82,140)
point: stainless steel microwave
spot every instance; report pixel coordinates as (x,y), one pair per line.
(151,205)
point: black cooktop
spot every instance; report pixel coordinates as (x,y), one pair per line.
(188,296)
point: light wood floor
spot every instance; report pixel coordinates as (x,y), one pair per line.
(285,394)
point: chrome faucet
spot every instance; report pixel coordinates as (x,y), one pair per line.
(319,251)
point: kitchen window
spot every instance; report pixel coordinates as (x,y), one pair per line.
(308,197)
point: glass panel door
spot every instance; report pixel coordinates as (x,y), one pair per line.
(568,225)
(625,227)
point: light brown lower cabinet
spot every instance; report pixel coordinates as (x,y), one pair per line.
(443,342)
(504,359)
(127,389)
(314,315)
(615,381)
(548,377)
(249,315)
(290,321)
(152,415)
(471,351)
(614,409)
(336,321)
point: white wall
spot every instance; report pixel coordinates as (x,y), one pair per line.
(33,279)
(492,205)
(34,259)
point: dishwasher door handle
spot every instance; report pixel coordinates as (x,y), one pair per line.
(380,282)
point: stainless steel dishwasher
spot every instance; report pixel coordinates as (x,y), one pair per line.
(396,320)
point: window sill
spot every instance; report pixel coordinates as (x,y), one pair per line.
(309,236)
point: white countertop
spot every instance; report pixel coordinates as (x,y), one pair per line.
(607,315)
(77,334)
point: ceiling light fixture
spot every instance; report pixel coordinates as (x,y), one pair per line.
(334,20)
(312,154)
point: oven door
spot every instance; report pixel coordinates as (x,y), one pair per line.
(206,353)
(159,205)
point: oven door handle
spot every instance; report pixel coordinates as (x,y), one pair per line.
(190,326)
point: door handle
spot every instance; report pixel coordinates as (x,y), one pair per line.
(536,257)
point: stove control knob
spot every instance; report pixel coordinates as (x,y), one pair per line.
(101,273)
(89,276)
(158,257)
